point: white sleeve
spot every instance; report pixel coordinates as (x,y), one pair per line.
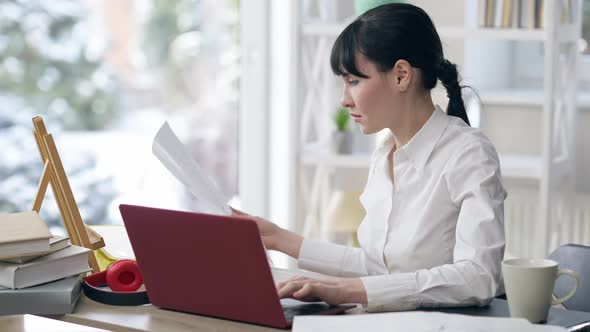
(474,277)
(331,259)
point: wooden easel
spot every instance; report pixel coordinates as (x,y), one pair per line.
(54,173)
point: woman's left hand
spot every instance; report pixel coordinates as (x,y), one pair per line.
(332,291)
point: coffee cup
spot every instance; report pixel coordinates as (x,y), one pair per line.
(529,287)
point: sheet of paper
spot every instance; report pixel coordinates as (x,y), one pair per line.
(174,155)
(417,321)
(116,239)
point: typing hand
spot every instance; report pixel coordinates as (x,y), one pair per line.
(332,291)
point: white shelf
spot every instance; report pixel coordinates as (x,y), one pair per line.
(512,165)
(334,29)
(528,167)
(524,97)
(358,161)
(492,33)
(520,166)
(566,33)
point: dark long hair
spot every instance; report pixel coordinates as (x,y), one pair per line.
(391,32)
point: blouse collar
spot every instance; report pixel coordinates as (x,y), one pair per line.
(421,145)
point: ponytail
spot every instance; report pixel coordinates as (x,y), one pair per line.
(448,75)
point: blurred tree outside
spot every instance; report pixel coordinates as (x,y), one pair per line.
(51,65)
(48,59)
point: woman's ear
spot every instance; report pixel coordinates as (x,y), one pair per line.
(402,75)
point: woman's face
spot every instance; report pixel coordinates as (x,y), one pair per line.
(372,101)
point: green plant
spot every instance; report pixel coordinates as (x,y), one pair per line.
(361,6)
(341,118)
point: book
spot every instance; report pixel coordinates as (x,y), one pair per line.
(57,242)
(539,13)
(498,11)
(524,8)
(62,263)
(117,239)
(22,233)
(507,13)
(482,13)
(53,298)
(531,14)
(527,14)
(174,155)
(490,6)
(516,16)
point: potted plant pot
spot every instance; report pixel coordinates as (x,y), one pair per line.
(342,141)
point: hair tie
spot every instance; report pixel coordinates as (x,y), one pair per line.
(446,68)
(443,65)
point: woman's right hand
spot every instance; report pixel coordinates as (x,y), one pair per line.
(275,237)
(269,232)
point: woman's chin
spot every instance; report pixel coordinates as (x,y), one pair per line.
(367,131)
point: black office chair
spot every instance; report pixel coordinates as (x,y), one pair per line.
(576,258)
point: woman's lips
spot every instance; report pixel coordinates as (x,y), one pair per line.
(357,117)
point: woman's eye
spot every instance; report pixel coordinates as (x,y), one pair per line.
(353,82)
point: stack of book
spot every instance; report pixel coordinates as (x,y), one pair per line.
(39,273)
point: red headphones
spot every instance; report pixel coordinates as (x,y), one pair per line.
(124,278)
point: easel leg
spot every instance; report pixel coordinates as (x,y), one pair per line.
(42,187)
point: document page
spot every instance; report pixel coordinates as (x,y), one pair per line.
(174,155)
(417,321)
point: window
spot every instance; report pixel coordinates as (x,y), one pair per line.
(105,74)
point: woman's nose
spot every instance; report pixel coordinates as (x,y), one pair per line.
(346,104)
(346,101)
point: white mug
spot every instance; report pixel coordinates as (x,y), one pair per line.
(529,287)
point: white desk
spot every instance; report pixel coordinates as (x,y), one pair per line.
(30,323)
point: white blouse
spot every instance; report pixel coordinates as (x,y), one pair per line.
(435,237)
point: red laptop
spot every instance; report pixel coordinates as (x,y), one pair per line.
(210,265)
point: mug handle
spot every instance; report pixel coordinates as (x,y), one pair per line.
(571,274)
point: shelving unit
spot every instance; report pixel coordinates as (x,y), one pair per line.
(557,100)
(553,169)
(524,97)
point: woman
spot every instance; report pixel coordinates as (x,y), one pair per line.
(433,234)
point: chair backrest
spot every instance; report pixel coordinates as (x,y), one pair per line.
(576,258)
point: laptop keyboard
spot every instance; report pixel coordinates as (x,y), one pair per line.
(298,309)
